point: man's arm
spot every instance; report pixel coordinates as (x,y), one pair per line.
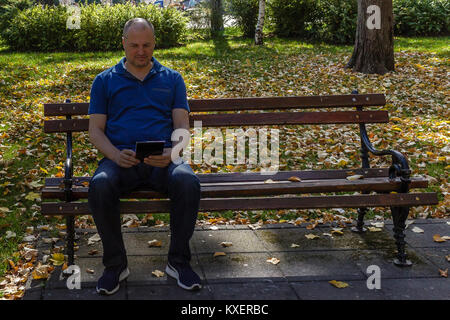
(125,158)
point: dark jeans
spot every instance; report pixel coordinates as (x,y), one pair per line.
(110,182)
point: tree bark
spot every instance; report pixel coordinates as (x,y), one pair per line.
(259,36)
(216,17)
(374,47)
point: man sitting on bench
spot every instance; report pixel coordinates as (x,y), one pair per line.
(139,99)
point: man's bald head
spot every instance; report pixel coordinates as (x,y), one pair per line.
(138,24)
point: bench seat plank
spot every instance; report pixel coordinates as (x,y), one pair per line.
(272,203)
(250,103)
(248,119)
(257,188)
(257,176)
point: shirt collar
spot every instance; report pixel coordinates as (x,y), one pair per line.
(120,67)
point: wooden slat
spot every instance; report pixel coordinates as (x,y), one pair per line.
(232,104)
(265,103)
(269,203)
(259,188)
(256,176)
(248,119)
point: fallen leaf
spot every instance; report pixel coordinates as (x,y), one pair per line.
(378,224)
(438,238)
(448,258)
(219,253)
(355,177)
(337,231)
(10,234)
(273,260)
(338,284)
(269,181)
(295,179)
(57,259)
(91,271)
(226,244)
(311,236)
(154,243)
(214,228)
(158,273)
(95,238)
(294,245)
(443,273)
(417,230)
(41,271)
(33,196)
(92,252)
(374,229)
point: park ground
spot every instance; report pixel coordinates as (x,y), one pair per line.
(417,101)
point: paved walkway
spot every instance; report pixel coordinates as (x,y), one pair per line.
(243,273)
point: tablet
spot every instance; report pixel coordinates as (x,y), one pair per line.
(147,148)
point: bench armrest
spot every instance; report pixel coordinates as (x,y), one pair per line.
(399,168)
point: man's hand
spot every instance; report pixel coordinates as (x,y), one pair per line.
(126,158)
(161,161)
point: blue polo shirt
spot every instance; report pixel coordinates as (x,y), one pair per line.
(138,110)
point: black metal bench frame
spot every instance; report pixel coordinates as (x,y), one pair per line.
(223,192)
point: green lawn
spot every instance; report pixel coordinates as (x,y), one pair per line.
(232,67)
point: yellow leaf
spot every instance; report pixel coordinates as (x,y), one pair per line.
(374,229)
(295,179)
(57,259)
(43,170)
(311,236)
(338,284)
(219,253)
(438,238)
(33,196)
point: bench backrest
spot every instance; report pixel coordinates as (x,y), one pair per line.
(201,110)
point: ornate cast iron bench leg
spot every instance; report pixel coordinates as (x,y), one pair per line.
(399,216)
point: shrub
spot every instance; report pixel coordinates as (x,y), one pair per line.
(44,28)
(335,21)
(290,18)
(9,9)
(421,17)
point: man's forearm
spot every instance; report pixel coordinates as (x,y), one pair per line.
(101,141)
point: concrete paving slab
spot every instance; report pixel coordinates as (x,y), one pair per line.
(323,290)
(297,266)
(83,294)
(436,255)
(425,239)
(166,292)
(416,289)
(263,289)
(422,267)
(208,241)
(238,267)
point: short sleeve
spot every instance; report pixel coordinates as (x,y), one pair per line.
(180,97)
(98,102)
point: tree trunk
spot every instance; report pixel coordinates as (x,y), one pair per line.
(260,25)
(216,17)
(374,43)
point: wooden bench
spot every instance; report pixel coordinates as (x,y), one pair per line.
(247,190)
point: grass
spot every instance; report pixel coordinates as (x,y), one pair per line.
(229,67)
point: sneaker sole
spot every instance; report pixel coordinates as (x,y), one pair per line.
(123,275)
(174,274)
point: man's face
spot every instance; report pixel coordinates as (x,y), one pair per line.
(139,45)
